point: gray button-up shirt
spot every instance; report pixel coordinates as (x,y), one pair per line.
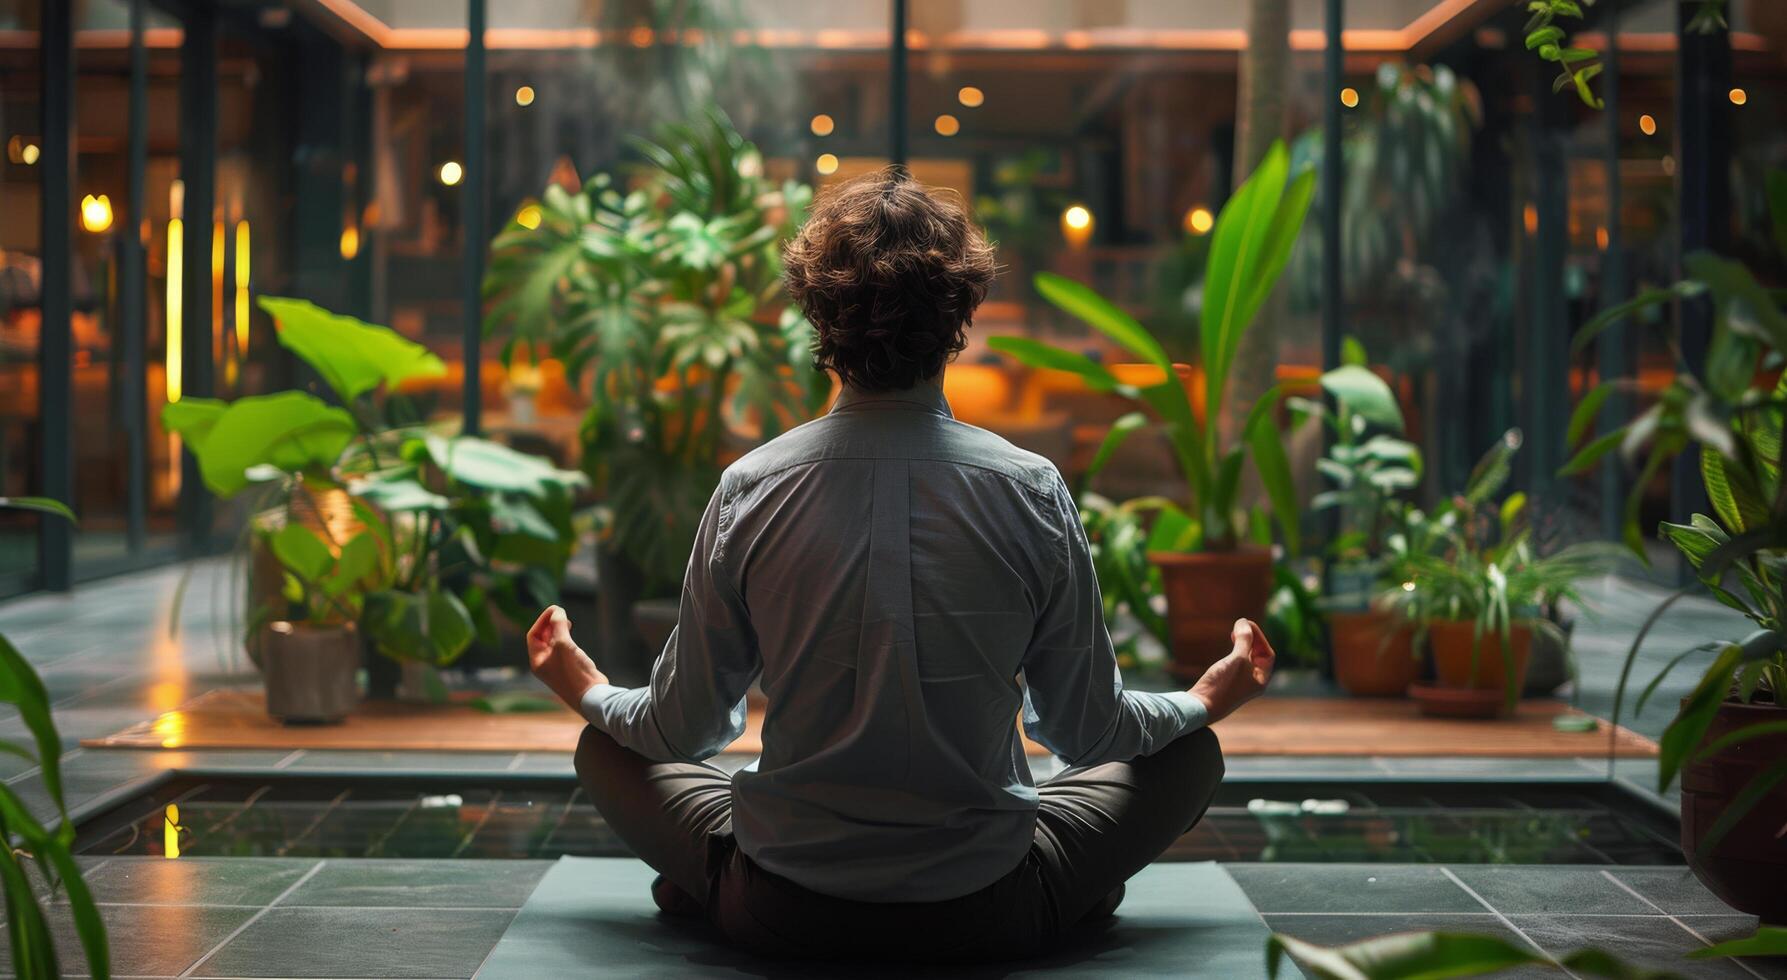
(903,583)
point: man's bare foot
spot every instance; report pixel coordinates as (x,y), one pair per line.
(1239,677)
(559,662)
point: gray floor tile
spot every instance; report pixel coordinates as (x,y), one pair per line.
(324,942)
(1309,767)
(1470,767)
(1674,890)
(554,762)
(1351,888)
(1530,889)
(145,940)
(1648,941)
(420,884)
(195,881)
(418,761)
(1338,930)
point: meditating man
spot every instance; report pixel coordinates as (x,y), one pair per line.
(903,586)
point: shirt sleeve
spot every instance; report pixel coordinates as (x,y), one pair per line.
(1074,701)
(695,703)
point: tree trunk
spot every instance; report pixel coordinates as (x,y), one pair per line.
(1259,120)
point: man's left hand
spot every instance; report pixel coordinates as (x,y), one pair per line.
(558,661)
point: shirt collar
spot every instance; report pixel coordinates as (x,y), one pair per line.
(925,395)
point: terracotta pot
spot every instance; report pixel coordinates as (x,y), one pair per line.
(309,671)
(1749,866)
(1374,654)
(1206,592)
(1452,643)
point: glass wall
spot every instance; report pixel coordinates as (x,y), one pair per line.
(21,273)
(1482,215)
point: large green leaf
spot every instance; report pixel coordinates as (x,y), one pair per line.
(22,688)
(1235,249)
(432,626)
(291,431)
(192,418)
(1364,393)
(1436,956)
(494,466)
(1102,315)
(1766,941)
(1037,354)
(1119,432)
(1684,734)
(43,505)
(353,356)
(1583,418)
(1400,956)
(302,552)
(1735,498)
(1739,300)
(1269,458)
(1644,300)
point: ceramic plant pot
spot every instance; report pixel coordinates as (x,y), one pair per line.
(1463,689)
(309,671)
(1206,592)
(1748,868)
(1374,654)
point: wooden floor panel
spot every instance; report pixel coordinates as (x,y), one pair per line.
(1269,726)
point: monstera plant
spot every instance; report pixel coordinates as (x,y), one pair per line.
(664,302)
(1214,561)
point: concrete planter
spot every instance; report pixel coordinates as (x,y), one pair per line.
(309,671)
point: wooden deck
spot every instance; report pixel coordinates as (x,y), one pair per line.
(1269,726)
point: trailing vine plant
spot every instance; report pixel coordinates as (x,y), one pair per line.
(1579,66)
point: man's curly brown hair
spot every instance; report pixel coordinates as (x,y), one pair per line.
(889,274)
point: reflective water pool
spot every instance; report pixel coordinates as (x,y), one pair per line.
(404,817)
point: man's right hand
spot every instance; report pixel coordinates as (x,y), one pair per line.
(1239,677)
(558,661)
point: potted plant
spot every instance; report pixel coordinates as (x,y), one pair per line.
(1215,561)
(482,533)
(665,305)
(1728,740)
(1373,649)
(1475,585)
(310,652)
(460,525)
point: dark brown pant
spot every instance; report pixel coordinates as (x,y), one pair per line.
(1096,827)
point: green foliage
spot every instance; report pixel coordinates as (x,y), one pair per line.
(1250,245)
(476,526)
(453,525)
(1577,66)
(666,302)
(1474,560)
(260,437)
(326,584)
(1438,955)
(354,357)
(1735,411)
(1767,941)
(24,840)
(1406,152)
(1367,470)
(43,505)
